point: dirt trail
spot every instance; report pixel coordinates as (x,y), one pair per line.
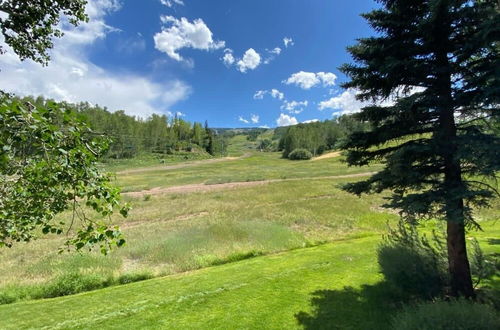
(200,187)
(328,155)
(182,165)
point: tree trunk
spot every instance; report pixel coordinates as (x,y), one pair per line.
(458,263)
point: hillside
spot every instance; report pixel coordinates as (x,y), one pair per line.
(312,249)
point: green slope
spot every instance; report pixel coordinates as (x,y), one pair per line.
(336,285)
(300,288)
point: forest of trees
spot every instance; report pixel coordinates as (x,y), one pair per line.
(316,137)
(131,136)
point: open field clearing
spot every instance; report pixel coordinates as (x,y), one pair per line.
(232,185)
(246,207)
(257,167)
(181,165)
(168,233)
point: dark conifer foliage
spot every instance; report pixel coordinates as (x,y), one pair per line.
(439,61)
(317,137)
(131,136)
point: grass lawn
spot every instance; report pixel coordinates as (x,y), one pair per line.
(336,285)
(316,287)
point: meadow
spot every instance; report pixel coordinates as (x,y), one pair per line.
(312,248)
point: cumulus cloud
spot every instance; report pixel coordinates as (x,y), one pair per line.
(294,106)
(286,120)
(276,51)
(273,53)
(288,42)
(243,120)
(250,61)
(170,3)
(347,103)
(177,34)
(259,95)
(307,80)
(228,57)
(277,94)
(310,121)
(72,77)
(254,119)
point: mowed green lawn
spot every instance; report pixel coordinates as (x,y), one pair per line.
(336,285)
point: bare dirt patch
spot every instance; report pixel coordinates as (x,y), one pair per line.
(200,187)
(328,155)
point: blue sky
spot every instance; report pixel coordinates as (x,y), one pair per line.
(225,61)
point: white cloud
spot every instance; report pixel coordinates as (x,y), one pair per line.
(294,106)
(286,120)
(180,33)
(276,51)
(170,3)
(264,126)
(250,61)
(228,57)
(347,103)
(72,77)
(243,120)
(277,94)
(288,41)
(310,121)
(327,78)
(259,95)
(306,80)
(254,119)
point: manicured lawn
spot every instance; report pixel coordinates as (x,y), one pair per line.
(305,287)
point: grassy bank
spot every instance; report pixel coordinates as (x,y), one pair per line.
(336,285)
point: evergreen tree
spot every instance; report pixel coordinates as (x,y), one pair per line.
(439,60)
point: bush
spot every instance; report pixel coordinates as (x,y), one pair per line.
(134,277)
(413,267)
(300,154)
(72,283)
(456,315)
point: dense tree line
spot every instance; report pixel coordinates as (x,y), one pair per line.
(316,137)
(131,135)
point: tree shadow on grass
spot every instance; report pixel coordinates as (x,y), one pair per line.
(493,241)
(369,307)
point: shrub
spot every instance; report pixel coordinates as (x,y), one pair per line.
(134,277)
(7,298)
(300,154)
(456,315)
(72,283)
(413,267)
(482,266)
